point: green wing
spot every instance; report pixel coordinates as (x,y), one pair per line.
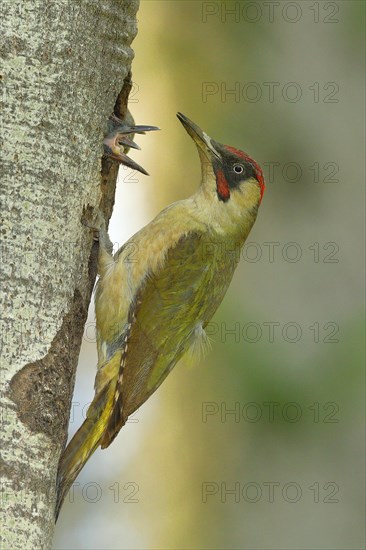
(162,323)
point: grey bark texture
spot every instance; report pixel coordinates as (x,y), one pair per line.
(66,67)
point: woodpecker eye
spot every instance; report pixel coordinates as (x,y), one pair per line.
(238,168)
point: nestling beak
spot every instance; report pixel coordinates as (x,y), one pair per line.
(201,139)
(119,141)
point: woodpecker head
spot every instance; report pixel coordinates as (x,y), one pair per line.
(232,174)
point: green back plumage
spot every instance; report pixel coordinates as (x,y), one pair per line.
(167,309)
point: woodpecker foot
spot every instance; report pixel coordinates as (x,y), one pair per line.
(119,141)
(100,233)
(95,222)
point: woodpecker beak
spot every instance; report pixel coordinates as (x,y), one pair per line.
(201,139)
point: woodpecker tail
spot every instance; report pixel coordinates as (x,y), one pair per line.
(84,443)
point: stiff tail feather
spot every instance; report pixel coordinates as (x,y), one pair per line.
(84,443)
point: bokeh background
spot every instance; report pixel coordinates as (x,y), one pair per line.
(261,444)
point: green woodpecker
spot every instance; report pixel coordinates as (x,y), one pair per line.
(157,294)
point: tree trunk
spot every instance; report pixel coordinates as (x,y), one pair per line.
(67,66)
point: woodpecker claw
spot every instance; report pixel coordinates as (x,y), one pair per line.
(118,142)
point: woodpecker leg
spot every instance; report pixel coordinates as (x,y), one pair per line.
(120,139)
(105,257)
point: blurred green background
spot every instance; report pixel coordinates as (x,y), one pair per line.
(284,469)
